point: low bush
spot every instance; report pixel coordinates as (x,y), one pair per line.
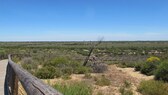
(57,72)
(29,64)
(149,68)
(162,72)
(68,66)
(74,88)
(27,60)
(67,70)
(82,70)
(48,72)
(16,59)
(138,66)
(58,62)
(152,87)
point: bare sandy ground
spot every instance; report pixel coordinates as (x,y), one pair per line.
(115,74)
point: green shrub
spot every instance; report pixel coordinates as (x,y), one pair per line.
(82,70)
(26,66)
(152,87)
(68,66)
(48,72)
(15,59)
(149,68)
(29,64)
(27,60)
(103,81)
(138,66)
(74,88)
(57,72)
(162,72)
(58,62)
(67,70)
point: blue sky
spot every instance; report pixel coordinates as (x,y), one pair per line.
(83,20)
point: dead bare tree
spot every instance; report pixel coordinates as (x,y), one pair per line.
(91,50)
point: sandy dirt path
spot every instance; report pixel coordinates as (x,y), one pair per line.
(137,75)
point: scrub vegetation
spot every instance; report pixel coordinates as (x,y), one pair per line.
(65,61)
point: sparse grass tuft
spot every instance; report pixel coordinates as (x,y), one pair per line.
(152,87)
(127,84)
(74,88)
(126,89)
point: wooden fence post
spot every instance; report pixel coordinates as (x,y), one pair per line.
(31,84)
(14,86)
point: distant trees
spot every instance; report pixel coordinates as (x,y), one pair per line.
(2,54)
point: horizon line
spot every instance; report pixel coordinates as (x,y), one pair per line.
(95,41)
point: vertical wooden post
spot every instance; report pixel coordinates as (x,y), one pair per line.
(14,84)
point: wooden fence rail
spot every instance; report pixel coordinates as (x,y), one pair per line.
(31,84)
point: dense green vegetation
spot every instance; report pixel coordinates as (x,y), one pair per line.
(149,67)
(162,72)
(61,66)
(42,54)
(117,52)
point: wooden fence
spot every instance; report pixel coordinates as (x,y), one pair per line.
(31,84)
